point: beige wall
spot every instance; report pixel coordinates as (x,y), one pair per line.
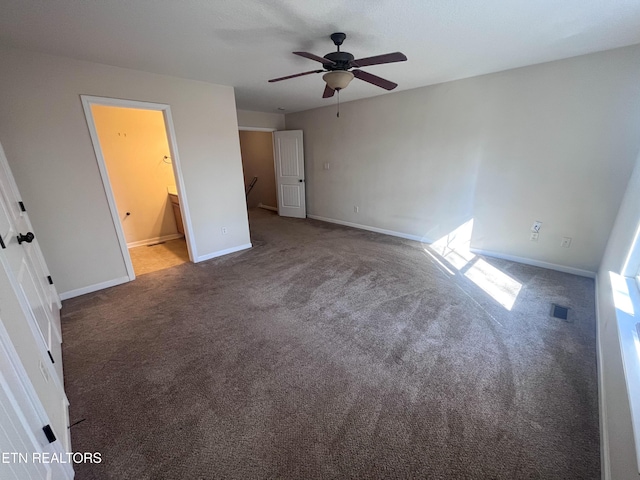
(45,136)
(257,161)
(248,118)
(134,144)
(554,142)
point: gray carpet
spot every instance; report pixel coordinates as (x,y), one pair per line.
(330,352)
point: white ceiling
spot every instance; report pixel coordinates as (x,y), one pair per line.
(243,43)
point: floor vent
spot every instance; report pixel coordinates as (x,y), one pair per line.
(558,311)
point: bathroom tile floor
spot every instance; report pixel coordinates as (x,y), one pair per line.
(151,258)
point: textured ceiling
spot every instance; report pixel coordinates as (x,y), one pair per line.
(243,43)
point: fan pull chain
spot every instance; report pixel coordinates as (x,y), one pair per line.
(338,114)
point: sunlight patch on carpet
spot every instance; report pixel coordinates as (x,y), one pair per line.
(454,248)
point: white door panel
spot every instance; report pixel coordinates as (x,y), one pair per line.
(290,196)
(15,438)
(288,157)
(30,311)
(289,163)
(22,419)
(28,267)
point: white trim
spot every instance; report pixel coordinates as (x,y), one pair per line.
(513,258)
(372,229)
(628,338)
(267,207)
(93,133)
(220,253)
(152,241)
(536,263)
(605,461)
(182,192)
(87,102)
(256,129)
(93,288)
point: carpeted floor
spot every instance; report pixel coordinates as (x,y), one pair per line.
(330,352)
(151,258)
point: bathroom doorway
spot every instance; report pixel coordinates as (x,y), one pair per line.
(140,171)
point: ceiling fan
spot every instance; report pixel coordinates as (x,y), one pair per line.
(337,65)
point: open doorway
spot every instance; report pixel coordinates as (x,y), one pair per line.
(140,170)
(273,165)
(256,148)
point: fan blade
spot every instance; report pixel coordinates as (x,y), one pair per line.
(328,92)
(379,59)
(374,79)
(311,56)
(296,75)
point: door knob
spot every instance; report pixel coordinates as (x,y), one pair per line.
(301,180)
(26,238)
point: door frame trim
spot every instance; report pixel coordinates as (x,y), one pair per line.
(87,102)
(256,129)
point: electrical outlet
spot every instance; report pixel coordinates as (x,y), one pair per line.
(566,242)
(224,230)
(534,236)
(326,166)
(536,226)
(356,209)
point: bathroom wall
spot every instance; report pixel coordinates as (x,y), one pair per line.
(257,161)
(134,144)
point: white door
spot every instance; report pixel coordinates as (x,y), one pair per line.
(289,160)
(24,425)
(28,268)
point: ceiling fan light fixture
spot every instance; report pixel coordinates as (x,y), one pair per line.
(338,79)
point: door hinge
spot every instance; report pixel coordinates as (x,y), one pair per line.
(50,279)
(2,242)
(51,356)
(22,206)
(48,432)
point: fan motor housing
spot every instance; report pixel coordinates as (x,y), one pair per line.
(342,59)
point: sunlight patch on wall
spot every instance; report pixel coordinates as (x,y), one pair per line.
(454,248)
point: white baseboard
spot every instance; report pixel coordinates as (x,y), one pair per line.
(151,241)
(267,207)
(372,229)
(513,258)
(536,263)
(93,288)
(220,253)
